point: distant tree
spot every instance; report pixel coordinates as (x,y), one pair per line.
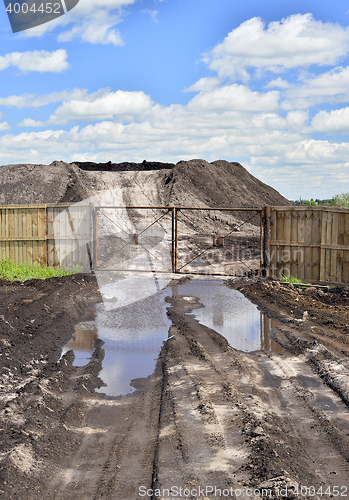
(340,200)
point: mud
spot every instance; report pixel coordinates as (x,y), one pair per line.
(210,416)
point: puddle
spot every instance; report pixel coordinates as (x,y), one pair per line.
(133,335)
(231,314)
(82,342)
(133,324)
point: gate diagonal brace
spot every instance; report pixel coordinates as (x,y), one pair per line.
(113,222)
(129,234)
(163,263)
(211,246)
(152,224)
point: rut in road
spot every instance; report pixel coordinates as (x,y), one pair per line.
(211,415)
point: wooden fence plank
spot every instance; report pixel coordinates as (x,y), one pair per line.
(323,249)
(42,232)
(345,272)
(328,238)
(287,249)
(334,252)
(316,241)
(294,238)
(308,265)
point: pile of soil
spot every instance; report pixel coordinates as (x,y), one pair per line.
(188,183)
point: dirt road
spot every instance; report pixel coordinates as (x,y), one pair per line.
(211,422)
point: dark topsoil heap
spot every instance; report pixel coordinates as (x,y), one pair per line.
(194,182)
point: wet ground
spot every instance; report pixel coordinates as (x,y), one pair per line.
(133,335)
(241,402)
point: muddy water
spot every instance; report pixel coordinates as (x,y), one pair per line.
(231,314)
(133,326)
(82,342)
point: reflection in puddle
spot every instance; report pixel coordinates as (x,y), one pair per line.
(133,327)
(133,336)
(133,330)
(82,343)
(231,314)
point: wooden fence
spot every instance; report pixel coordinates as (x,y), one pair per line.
(309,242)
(50,235)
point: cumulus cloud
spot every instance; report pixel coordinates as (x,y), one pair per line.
(41,61)
(36,101)
(29,122)
(278,82)
(102,106)
(335,121)
(234,97)
(331,86)
(297,41)
(99,29)
(4,126)
(205,84)
(89,21)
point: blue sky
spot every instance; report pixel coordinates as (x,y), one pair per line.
(262,83)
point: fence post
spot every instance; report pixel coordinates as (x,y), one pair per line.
(266,241)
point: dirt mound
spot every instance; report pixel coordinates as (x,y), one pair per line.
(217,184)
(188,183)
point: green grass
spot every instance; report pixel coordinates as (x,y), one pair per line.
(291,279)
(22,272)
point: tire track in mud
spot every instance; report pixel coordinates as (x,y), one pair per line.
(209,415)
(194,420)
(294,440)
(116,453)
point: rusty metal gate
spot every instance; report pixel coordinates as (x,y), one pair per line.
(133,238)
(226,241)
(183,240)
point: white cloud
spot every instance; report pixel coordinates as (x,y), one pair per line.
(205,84)
(90,21)
(36,60)
(278,82)
(331,86)
(103,105)
(234,97)
(29,122)
(335,121)
(4,126)
(297,41)
(34,101)
(97,29)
